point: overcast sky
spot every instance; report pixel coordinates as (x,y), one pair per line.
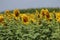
(22,4)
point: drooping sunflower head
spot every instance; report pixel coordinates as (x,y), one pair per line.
(16,12)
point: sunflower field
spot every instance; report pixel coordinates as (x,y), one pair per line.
(37,25)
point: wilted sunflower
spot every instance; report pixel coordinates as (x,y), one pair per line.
(16,14)
(25,19)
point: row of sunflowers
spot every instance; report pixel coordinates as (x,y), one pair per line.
(43,25)
(26,18)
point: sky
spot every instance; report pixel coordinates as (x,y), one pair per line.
(24,4)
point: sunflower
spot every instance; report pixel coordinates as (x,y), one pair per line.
(51,15)
(21,16)
(54,15)
(25,19)
(37,14)
(58,17)
(43,12)
(58,20)
(32,18)
(7,12)
(47,15)
(1,18)
(16,14)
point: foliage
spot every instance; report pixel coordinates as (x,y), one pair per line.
(18,31)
